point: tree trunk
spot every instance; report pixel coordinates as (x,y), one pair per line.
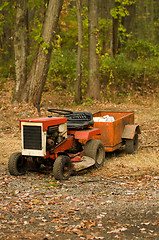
(20,48)
(152,19)
(156,19)
(32,91)
(115,40)
(129,21)
(93,65)
(78,96)
(28,31)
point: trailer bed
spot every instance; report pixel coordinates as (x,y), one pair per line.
(111,132)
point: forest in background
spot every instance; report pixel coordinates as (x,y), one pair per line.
(128,64)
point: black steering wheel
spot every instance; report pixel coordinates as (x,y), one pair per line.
(60,111)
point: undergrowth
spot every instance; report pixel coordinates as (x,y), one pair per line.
(120,77)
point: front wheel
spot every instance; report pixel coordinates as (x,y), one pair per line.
(131,145)
(95,149)
(62,168)
(16,164)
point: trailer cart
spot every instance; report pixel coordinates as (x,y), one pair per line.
(73,141)
(118,132)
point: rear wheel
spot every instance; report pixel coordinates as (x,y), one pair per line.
(131,145)
(95,149)
(16,164)
(62,168)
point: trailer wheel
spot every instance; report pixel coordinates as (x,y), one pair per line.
(62,168)
(95,149)
(16,164)
(131,145)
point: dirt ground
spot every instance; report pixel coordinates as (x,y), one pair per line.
(118,201)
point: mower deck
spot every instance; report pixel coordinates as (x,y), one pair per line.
(85,162)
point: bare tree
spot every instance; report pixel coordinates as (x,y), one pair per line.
(32,91)
(20,47)
(93,64)
(79,53)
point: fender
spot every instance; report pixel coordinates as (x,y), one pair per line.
(85,134)
(130,130)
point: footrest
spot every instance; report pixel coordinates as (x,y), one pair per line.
(85,162)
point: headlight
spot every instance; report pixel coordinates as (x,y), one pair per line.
(62,127)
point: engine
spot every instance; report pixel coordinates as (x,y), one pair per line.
(55,135)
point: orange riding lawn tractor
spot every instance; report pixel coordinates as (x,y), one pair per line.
(72,141)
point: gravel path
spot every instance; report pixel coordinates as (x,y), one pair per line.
(88,206)
(84,207)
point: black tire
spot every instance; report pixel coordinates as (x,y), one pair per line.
(62,168)
(95,149)
(16,164)
(131,145)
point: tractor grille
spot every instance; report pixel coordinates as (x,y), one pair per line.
(32,137)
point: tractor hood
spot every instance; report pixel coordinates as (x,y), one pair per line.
(46,121)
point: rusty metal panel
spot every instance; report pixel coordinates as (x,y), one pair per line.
(111,132)
(112,148)
(107,132)
(129,131)
(119,126)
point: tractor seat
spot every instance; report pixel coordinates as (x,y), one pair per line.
(79,120)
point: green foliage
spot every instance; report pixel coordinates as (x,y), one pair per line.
(135,68)
(104,26)
(3,5)
(119,11)
(7,68)
(38,4)
(121,75)
(141,49)
(45,46)
(68,27)
(7,14)
(37,9)
(7,72)
(62,73)
(87,102)
(127,2)
(85,28)
(63,69)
